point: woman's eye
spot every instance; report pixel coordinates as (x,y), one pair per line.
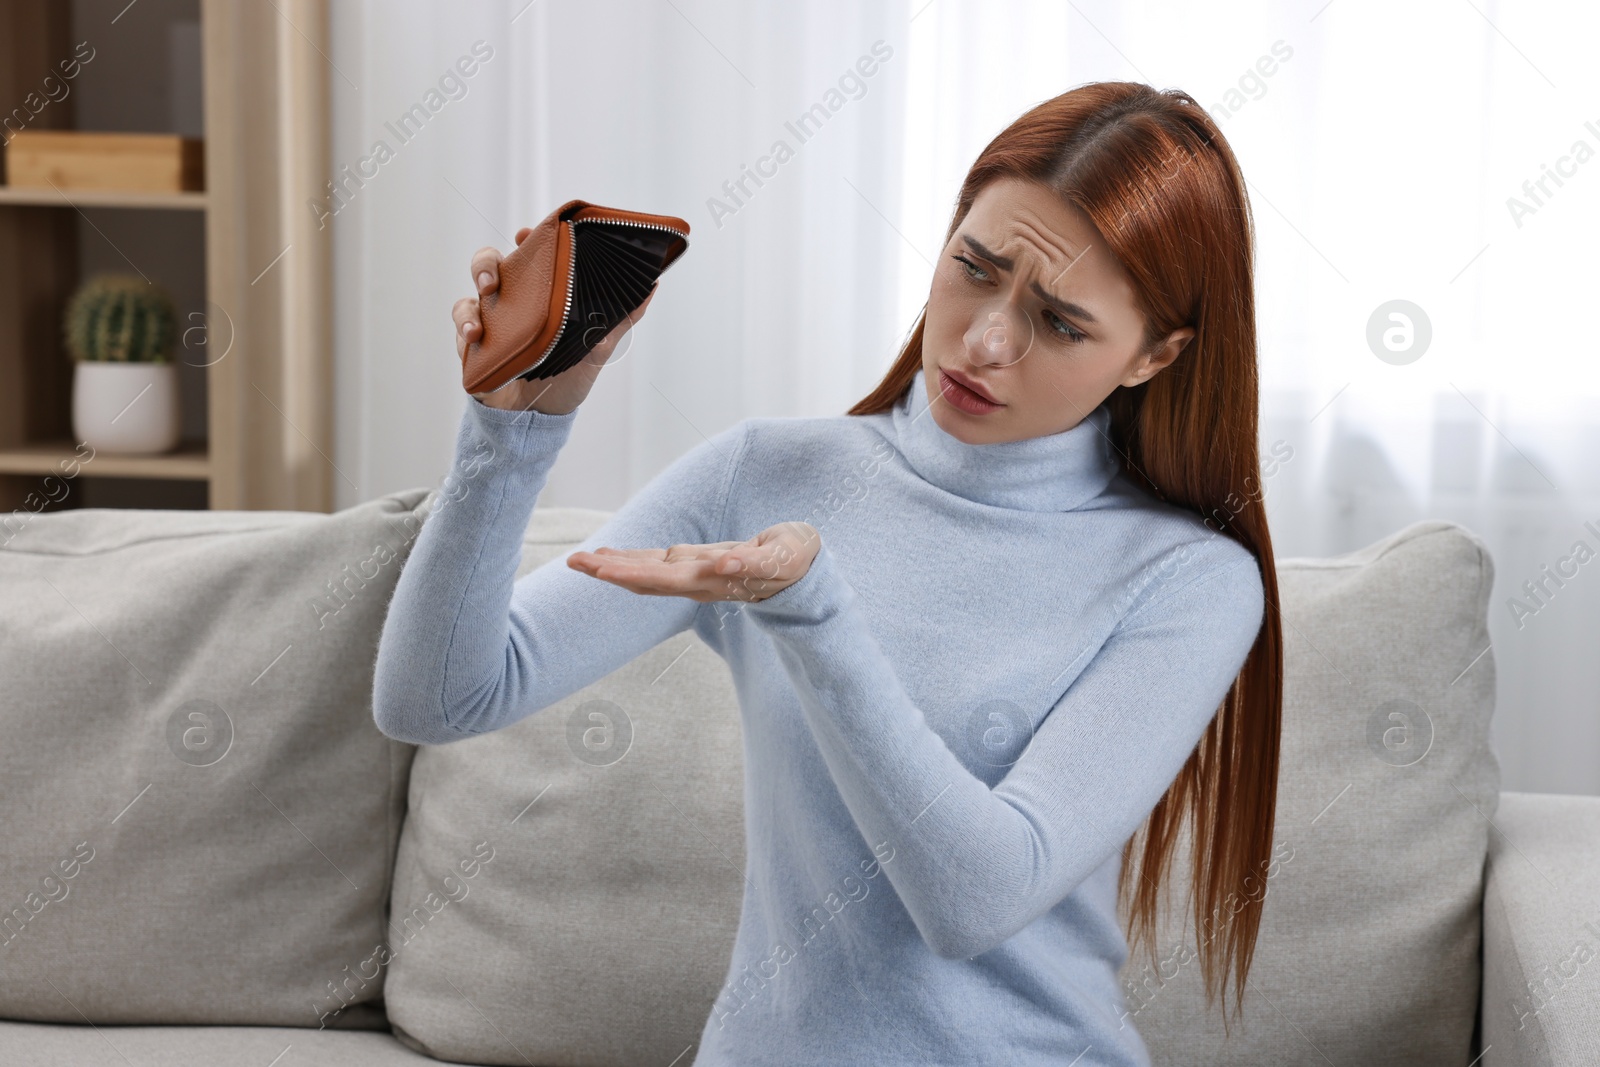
(967,267)
(1066,331)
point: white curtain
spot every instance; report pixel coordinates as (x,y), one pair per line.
(1439,153)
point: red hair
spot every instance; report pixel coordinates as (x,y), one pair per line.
(1155,175)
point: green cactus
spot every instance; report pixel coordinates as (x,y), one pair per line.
(120,318)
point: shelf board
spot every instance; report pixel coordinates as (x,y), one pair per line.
(102,198)
(189,461)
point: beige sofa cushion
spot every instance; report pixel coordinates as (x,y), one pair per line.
(1368,950)
(200,814)
(1541,936)
(600,931)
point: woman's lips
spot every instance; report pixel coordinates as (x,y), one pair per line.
(964,399)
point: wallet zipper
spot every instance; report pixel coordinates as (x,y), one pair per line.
(572,275)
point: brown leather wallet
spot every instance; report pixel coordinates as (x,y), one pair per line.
(579,274)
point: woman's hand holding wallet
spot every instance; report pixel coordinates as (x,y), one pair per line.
(752,570)
(557,395)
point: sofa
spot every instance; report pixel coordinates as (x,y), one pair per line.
(213,857)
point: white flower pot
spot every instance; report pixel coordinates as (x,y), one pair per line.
(125,407)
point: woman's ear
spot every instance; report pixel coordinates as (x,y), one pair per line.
(1146,366)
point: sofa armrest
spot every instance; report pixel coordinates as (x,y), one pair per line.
(1541,933)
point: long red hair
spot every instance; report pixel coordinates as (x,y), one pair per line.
(1162,186)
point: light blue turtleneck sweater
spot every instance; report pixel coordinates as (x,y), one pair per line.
(998,661)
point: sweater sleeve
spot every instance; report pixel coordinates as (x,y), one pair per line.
(467,647)
(974,865)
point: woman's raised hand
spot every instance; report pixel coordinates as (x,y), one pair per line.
(557,395)
(769,562)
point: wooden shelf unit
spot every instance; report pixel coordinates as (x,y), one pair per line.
(268,410)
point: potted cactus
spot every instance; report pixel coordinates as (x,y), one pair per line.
(119,333)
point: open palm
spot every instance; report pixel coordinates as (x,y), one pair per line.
(769,562)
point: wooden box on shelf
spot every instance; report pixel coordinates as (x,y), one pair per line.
(133,162)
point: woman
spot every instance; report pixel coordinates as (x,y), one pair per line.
(996,633)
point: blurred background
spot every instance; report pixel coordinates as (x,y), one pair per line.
(1423,177)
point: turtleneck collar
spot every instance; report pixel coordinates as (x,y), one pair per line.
(1055,472)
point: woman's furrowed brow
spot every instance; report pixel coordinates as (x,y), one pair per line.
(1066,307)
(1003,262)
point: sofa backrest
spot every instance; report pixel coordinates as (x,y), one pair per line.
(200,815)
(601,930)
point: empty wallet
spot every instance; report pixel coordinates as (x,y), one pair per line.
(581,272)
